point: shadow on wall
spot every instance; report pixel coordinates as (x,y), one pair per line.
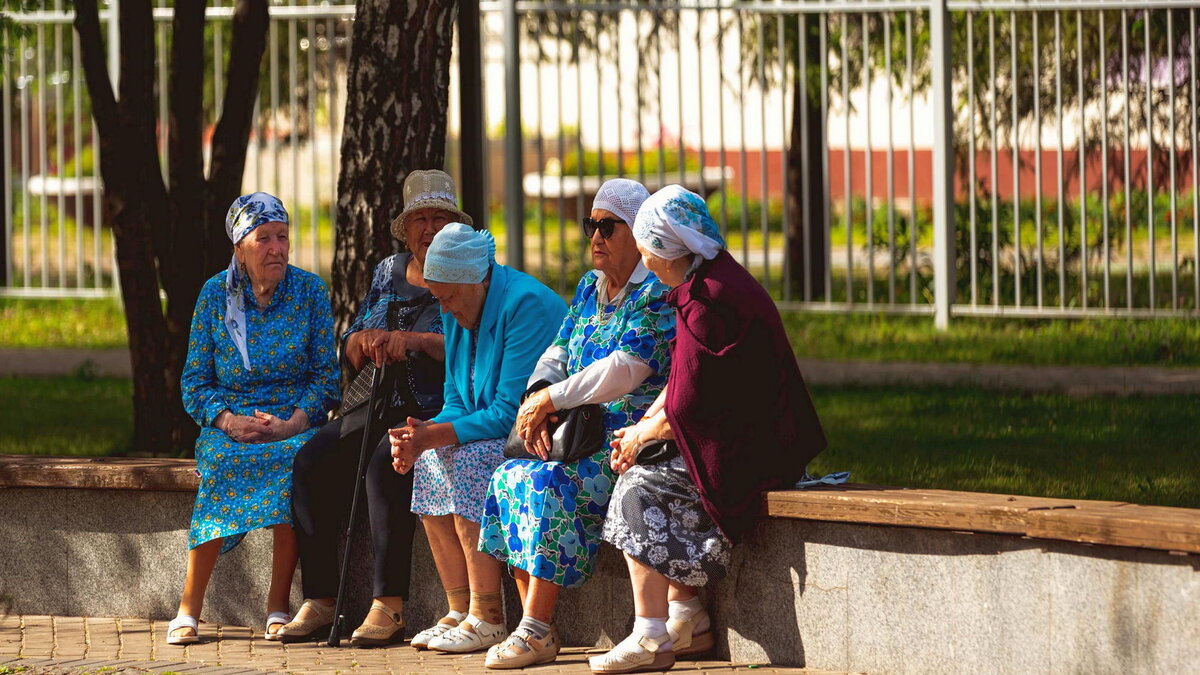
(754,608)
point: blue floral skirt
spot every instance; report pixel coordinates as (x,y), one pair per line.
(546,517)
(243,486)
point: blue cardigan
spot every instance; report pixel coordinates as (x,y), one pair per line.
(520,319)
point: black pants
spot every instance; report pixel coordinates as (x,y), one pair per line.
(323,485)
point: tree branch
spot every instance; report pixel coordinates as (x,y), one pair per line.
(95,69)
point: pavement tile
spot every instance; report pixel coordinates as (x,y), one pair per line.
(131,646)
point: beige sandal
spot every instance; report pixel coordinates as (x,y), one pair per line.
(635,654)
(521,649)
(687,640)
(316,626)
(370,635)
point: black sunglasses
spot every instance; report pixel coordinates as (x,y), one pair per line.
(605,225)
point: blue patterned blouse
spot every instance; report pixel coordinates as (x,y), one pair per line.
(642,324)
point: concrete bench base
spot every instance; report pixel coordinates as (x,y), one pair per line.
(834,596)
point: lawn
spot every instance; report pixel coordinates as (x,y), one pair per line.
(1126,449)
(1139,450)
(1164,342)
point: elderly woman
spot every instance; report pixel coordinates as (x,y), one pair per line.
(398,321)
(497,321)
(543,518)
(737,418)
(261,375)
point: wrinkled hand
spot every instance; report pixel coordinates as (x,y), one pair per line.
(391,346)
(357,344)
(406,444)
(260,427)
(532,423)
(625,447)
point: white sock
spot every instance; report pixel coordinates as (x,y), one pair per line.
(654,628)
(684,610)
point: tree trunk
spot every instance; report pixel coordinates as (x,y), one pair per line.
(161,237)
(806,139)
(397,95)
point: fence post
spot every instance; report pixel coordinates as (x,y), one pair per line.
(514,196)
(114,43)
(944,286)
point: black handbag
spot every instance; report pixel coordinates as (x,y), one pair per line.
(578,433)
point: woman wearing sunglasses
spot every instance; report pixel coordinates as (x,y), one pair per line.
(544,518)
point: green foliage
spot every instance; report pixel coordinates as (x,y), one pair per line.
(1138,450)
(75,324)
(650,161)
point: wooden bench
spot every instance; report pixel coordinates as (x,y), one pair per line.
(1092,522)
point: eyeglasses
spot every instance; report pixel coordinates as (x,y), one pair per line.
(605,225)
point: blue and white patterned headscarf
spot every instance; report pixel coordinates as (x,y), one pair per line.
(246,213)
(675,222)
(459,255)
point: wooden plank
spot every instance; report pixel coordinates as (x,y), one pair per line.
(104,473)
(1096,522)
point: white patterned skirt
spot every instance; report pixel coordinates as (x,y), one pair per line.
(454,479)
(656,517)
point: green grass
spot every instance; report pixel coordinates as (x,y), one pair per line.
(65,416)
(871,337)
(91,324)
(1139,450)
(1097,342)
(1125,449)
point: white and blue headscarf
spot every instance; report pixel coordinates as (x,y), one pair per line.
(675,222)
(246,213)
(460,255)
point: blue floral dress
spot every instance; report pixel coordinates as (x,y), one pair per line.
(293,364)
(546,517)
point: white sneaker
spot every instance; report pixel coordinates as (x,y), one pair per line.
(421,640)
(635,654)
(472,635)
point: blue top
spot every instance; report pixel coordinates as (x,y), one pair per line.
(641,324)
(291,347)
(520,318)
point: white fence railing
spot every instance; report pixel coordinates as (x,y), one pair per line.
(967,157)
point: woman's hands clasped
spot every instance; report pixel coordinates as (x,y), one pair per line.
(407,443)
(533,423)
(261,427)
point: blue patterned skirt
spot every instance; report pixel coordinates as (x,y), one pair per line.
(243,486)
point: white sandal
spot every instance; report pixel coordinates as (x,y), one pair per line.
(635,654)
(472,635)
(183,621)
(421,640)
(280,619)
(693,636)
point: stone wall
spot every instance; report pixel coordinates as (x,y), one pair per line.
(832,596)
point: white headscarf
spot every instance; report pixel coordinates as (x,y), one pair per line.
(675,222)
(246,213)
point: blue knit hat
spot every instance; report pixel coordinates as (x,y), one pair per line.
(459,255)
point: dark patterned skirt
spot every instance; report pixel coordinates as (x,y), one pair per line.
(656,517)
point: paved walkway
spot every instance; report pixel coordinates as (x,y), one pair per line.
(1077,380)
(78,645)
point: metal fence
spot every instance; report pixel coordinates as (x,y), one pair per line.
(986,157)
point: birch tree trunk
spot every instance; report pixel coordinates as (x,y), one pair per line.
(397,95)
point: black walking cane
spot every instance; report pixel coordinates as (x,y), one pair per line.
(376,407)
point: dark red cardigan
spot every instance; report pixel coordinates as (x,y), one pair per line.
(742,417)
